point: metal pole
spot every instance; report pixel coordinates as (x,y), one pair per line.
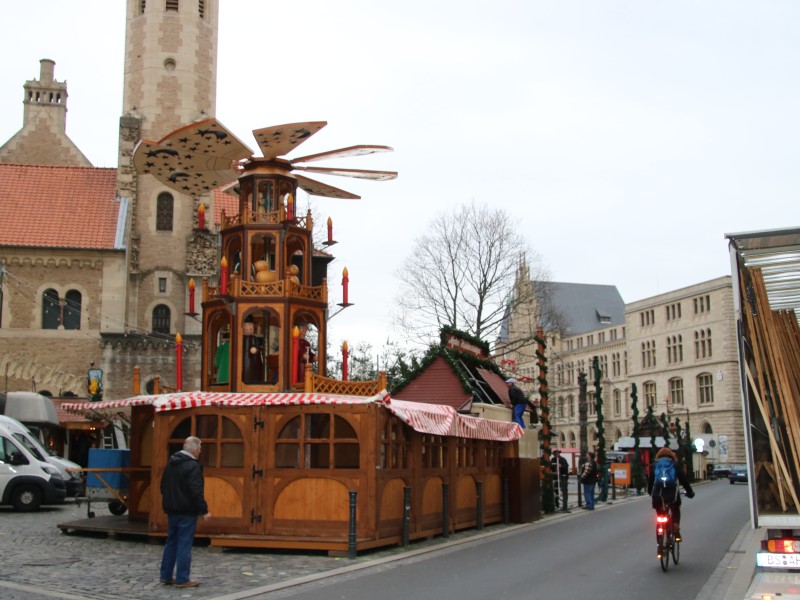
(479,486)
(506,513)
(613,486)
(351,546)
(445,510)
(406,514)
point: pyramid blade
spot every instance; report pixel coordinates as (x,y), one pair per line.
(281,139)
(194,159)
(357,173)
(317,188)
(343,152)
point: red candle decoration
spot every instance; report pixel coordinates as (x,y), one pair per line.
(290,207)
(179,362)
(295,353)
(345,282)
(345,356)
(191,296)
(330,230)
(201,216)
(223,277)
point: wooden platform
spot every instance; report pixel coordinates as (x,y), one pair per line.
(110,525)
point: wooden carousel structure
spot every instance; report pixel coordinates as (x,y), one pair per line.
(293,459)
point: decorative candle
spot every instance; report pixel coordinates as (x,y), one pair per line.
(345,282)
(295,353)
(201,216)
(345,356)
(179,362)
(223,277)
(289,207)
(191,296)
(330,230)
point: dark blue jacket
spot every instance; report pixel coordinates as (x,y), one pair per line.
(182,486)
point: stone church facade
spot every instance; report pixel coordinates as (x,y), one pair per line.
(96,262)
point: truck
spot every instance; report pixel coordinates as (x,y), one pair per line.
(765,278)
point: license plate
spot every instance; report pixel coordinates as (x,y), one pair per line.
(778,561)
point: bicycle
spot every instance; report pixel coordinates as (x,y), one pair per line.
(665,534)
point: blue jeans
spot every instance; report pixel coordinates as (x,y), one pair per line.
(519,411)
(178,548)
(588,495)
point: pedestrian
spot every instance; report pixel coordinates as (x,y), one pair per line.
(183,500)
(561,473)
(588,479)
(518,402)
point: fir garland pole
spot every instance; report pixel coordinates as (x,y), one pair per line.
(665,429)
(548,499)
(651,425)
(639,476)
(601,431)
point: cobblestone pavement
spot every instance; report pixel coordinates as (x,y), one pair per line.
(39,562)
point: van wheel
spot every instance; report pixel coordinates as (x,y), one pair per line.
(26,498)
(117,508)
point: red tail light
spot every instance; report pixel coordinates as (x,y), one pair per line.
(662,519)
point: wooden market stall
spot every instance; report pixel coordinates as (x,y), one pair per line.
(281,470)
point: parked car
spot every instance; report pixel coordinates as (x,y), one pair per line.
(738,473)
(720,471)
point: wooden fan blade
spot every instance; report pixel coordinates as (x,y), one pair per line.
(343,152)
(194,159)
(317,188)
(357,173)
(281,139)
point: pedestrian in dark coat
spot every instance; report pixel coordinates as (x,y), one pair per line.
(183,499)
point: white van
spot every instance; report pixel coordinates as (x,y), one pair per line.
(25,481)
(72,479)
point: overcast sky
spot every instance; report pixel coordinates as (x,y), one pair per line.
(626,138)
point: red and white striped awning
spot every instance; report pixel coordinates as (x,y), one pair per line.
(425,418)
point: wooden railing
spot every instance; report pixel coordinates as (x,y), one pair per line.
(325,385)
(283,288)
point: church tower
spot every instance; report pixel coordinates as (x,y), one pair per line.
(170,80)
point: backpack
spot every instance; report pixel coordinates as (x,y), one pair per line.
(665,475)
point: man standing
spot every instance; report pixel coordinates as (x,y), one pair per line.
(560,468)
(518,402)
(588,479)
(183,501)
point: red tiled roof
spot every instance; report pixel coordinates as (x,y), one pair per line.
(71,420)
(223,200)
(58,207)
(437,384)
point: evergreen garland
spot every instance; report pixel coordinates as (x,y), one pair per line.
(602,464)
(638,475)
(548,491)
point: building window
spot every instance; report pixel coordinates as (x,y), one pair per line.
(705,388)
(51,310)
(172,5)
(162,285)
(615,368)
(161,319)
(72,310)
(201,8)
(702,343)
(617,403)
(650,394)
(571,403)
(648,354)
(674,349)
(676,390)
(702,304)
(590,404)
(164,211)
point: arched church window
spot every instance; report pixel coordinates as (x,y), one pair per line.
(51,310)
(161,319)
(72,310)
(164,211)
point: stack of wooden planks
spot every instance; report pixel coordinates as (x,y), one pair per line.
(772,368)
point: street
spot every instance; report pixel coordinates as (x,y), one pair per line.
(608,553)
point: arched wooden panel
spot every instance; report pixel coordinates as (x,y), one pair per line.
(391,506)
(223,497)
(466,492)
(492,489)
(432,496)
(313,499)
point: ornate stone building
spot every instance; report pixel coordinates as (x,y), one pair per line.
(96,262)
(679,349)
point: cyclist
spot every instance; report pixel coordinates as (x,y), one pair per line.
(664,490)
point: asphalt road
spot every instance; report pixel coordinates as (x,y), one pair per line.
(606,554)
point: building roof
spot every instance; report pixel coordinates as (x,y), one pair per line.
(60,207)
(437,383)
(584,307)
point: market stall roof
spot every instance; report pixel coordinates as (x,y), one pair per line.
(777,253)
(425,418)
